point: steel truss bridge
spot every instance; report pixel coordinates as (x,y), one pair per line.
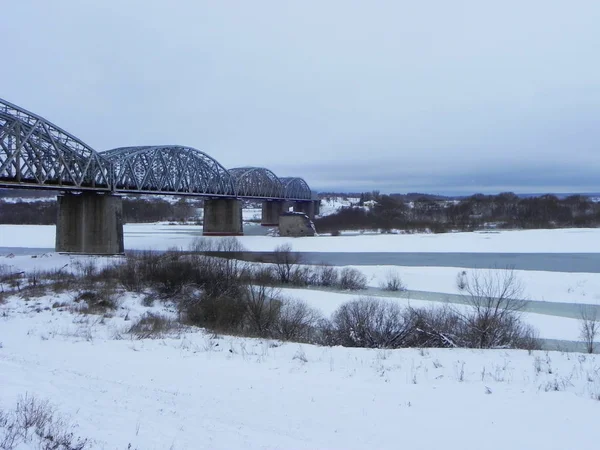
(34,153)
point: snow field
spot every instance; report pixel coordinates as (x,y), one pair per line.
(164,236)
(195,391)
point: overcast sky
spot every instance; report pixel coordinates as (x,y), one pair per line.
(398,96)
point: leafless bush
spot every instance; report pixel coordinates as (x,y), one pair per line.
(227,266)
(296,321)
(286,262)
(6,273)
(85,268)
(60,280)
(326,275)
(435,327)
(34,278)
(262,275)
(525,337)
(262,309)
(98,301)
(302,276)
(368,322)
(152,326)
(372,323)
(34,424)
(136,271)
(173,272)
(495,300)
(589,327)
(352,279)
(225,312)
(392,281)
(9,280)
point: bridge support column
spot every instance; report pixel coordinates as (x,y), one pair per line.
(307,207)
(222,217)
(317,207)
(90,223)
(271,210)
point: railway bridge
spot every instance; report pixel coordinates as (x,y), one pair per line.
(36,154)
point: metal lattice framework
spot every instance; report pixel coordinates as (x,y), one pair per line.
(169,169)
(296,188)
(256,182)
(35,153)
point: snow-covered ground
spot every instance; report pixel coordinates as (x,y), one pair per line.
(331,205)
(195,391)
(162,236)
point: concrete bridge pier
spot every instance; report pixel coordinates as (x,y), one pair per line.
(90,223)
(271,210)
(222,217)
(306,207)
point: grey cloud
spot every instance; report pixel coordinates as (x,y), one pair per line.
(395,95)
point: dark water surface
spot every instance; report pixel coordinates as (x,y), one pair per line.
(547,262)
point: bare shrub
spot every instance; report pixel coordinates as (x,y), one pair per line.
(262,309)
(326,275)
(352,279)
(172,273)
(302,276)
(495,301)
(262,275)
(85,268)
(33,423)
(392,281)
(10,277)
(526,337)
(368,322)
(297,321)
(137,270)
(435,327)
(219,258)
(98,301)
(286,262)
(6,273)
(34,278)
(589,327)
(152,326)
(60,280)
(372,323)
(9,280)
(224,312)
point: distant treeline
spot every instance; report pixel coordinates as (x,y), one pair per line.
(479,211)
(134,210)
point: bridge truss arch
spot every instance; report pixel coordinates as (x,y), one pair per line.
(256,182)
(35,153)
(168,169)
(296,189)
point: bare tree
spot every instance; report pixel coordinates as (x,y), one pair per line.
(352,279)
(496,301)
(589,327)
(371,322)
(297,321)
(262,308)
(286,262)
(392,281)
